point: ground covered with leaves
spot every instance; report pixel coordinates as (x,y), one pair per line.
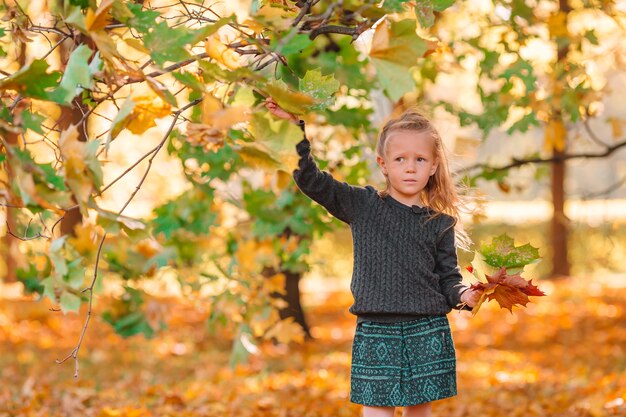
(564,355)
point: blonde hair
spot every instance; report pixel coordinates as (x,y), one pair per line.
(440,193)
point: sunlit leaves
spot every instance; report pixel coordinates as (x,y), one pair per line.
(32,80)
(292,101)
(191,212)
(78,75)
(279,137)
(138,114)
(395,48)
(321,87)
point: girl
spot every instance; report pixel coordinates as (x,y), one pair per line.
(406,276)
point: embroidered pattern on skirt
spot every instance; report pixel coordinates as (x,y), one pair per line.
(402,364)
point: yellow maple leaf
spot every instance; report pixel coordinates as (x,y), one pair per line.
(96,20)
(146,110)
(216,49)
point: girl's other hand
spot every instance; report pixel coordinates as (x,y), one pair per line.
(471,297)
(277,111)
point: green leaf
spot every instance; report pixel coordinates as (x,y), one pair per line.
(402,46)
(49,284)
(78,75)
(395,79)
(76,274)
(292,101)
(32,80)
(69,302)
(52,178)
(481,268)
(502,252)
(441,5)
(395,49)
(524,123)
(190,81)
(33,121)
(208,30)
(278,136)
(168,44)
(591,36)
(321,87)
(83,4)
(143,20)
(294,45)
(524,71)
(424,13)
(119,122)
(395,5)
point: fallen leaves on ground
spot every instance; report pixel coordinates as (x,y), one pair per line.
(564,357)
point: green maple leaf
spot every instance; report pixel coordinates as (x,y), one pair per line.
(321,87)
(32,80)
(502,252)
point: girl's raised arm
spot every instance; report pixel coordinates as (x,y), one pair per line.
(339,198)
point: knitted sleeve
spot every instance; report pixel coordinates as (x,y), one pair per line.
(447,267)
(339,198)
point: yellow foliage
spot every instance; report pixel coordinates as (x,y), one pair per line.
(216,49)
(557,24)
(85,240)
(146,110)
(286,331)
(73,153)
(100,18)
(555,136)
(276,283)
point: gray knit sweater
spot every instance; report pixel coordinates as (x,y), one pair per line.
(405,266)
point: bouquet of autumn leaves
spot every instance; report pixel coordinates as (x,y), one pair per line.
(498,268)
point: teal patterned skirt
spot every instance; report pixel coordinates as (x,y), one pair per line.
(403,364)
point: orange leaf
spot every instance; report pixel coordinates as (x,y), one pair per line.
(508,296)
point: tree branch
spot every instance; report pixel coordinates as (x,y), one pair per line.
(520,162)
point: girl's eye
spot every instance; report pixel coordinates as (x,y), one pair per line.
(420,159)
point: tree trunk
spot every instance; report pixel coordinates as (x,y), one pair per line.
(72,116)
(294,307)
(559,230)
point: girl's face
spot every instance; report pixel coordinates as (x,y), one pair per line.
(408,163)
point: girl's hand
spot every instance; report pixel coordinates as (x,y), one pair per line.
(471,297)
(277,111)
